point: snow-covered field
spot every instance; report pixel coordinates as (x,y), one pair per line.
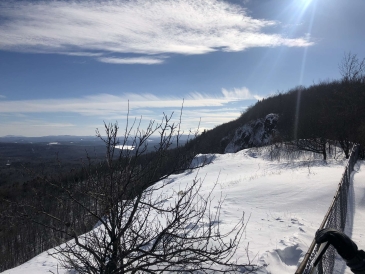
(284,203)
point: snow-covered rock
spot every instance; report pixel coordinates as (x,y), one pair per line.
(201,160)
(255,133)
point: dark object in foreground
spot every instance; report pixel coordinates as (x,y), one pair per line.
(346,248)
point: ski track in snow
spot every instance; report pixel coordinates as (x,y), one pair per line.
(284,204)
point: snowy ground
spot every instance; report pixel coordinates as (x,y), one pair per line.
(284,201)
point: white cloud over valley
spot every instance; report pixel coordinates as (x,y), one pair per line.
(239,94)
(146,28)
(104,105)
(199,109)
(137,60)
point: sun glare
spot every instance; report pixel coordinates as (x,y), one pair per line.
(304,3)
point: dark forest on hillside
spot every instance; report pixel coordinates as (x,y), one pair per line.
(331,110)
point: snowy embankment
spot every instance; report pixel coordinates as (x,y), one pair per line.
(284,203)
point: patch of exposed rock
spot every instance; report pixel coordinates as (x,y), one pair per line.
(254,133)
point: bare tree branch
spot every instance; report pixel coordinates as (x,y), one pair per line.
(351,67)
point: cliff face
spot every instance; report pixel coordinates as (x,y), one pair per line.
(255,133)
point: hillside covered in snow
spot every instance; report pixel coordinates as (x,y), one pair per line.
(283,202)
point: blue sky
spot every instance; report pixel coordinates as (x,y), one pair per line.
(67,66)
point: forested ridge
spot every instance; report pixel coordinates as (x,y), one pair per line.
(332,110)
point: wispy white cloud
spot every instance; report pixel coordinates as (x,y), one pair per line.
(148,28)
(78,116)
(48,124)
(2,96)
(240,94)
(87,54)
(209,117)
(104,105)
(191,120)
(137,60)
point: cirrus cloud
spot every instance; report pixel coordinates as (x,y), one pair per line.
(143,27)
(238,94)
(105,105)
(137,60)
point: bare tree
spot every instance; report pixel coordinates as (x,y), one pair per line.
(346,146)
(141,226)
(315,145)
(351,67)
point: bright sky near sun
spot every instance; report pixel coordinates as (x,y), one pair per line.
(67,66)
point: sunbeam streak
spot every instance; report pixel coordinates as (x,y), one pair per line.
(302,70)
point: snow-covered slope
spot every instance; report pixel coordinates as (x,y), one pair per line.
(284,203)
(255,133)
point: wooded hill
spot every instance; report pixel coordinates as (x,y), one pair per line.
(332,110)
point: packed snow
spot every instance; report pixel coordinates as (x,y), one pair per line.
(283,201)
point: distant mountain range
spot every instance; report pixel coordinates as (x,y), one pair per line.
(47,139)
(65,139)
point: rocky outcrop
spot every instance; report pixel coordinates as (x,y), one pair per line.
(255,133)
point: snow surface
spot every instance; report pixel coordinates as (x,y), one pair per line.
(284,204)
